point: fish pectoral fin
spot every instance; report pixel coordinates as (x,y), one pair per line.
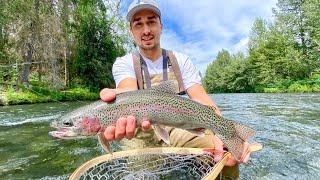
(162,133)
(196,132)
(104,143)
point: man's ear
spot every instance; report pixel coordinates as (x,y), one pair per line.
(132,38)
(161,26)
(130,31)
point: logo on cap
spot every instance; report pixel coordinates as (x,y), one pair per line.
(142,1)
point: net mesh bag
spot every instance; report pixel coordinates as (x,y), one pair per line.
(149,164)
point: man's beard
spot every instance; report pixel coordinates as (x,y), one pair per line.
(154,47)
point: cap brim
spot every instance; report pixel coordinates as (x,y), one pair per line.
(136,9)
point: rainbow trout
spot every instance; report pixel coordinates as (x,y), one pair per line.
(162,106)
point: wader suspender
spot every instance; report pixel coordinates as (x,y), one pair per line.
(169,59)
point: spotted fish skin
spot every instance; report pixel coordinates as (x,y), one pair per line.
(163,107)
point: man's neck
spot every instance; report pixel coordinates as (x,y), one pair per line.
(153,55)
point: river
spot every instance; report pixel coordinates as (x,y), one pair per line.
(288,125)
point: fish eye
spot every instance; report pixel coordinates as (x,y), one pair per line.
(68,123)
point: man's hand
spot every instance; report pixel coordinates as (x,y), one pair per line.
(218,152)
(125,126)
(218,146)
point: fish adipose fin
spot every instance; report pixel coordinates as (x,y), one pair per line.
(235,143)
(162,133)
(165,86)
(104,143)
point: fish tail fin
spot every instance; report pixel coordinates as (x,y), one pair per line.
(235,143)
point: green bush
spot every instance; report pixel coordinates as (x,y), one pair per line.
(316,88)
(296,87)
(259,89)
(40,94)
(80,94)
(24,97)
(272,90)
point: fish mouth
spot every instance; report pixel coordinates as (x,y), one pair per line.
(66,133)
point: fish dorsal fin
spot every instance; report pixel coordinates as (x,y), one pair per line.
(165,86)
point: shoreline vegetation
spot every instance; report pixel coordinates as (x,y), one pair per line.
(307,85)
(36,93)
(62,51)
(310,85)
(281,56)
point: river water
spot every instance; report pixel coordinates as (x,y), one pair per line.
(288,126)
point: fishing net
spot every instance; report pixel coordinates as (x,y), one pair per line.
(151,164)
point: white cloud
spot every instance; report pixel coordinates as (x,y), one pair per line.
(242,45)
(202,28)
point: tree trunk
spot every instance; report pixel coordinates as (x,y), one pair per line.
(66,54)
(27,59)
(40,72)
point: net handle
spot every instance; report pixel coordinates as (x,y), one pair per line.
(218,167)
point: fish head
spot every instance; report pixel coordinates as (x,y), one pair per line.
(74,127)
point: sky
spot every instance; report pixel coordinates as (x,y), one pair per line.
(201,28)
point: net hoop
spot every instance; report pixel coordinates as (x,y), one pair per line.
(163,150)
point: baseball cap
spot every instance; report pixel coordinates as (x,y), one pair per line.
(138,5)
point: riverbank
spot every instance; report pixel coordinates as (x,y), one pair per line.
(38,94)
(41,94)
(311,85)
(306,85)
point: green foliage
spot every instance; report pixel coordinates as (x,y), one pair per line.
(97,47)
(296,87)
(305,85)
(272,90)
(60,43)
(39,93)
(283,56)
(3,33)
(228,73)
(7,73)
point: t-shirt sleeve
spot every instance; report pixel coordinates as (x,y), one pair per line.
(122,69)
(190,74)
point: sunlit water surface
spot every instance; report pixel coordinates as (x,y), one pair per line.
(287,124)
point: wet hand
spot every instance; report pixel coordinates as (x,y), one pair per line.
(124,126)
(219,151)
(108,95)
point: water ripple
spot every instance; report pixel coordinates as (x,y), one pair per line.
(8,122)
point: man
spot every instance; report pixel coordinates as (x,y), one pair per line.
(146,27)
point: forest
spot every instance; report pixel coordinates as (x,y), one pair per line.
(59,50)
(53,50)
(282,56)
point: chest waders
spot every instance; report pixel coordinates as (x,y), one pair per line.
(169,62)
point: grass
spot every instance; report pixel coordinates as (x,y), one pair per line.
(40,94)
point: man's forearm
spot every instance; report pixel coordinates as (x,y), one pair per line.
(197,93)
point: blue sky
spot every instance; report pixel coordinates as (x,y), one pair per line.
(201,28)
